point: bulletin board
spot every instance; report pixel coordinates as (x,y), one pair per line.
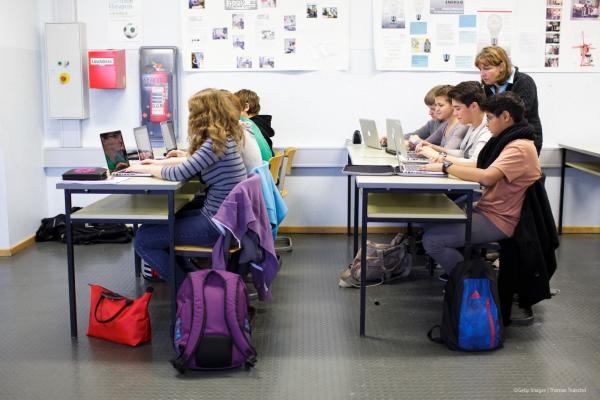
(446,35)
(264,35)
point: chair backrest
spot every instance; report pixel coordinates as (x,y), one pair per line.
(275,166)
(289,153)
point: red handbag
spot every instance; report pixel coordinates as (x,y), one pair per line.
(118,318)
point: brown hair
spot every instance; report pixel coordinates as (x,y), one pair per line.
(430,96)
(468,92)
(212,116)
(443,90)
(251,98)
(494,55)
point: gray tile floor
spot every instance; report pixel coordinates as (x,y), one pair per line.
(307,337)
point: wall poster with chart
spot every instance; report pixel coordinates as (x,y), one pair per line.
(265,35)
(446,35)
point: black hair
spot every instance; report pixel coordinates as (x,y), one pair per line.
(468,92)
(506,101)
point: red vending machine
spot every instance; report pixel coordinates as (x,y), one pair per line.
(158,74)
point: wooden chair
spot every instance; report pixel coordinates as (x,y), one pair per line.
(284,243)
(275,166)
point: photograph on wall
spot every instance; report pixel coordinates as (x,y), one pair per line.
(289,46)
(447,7)
(311,11)
(196,4)
(268,3)
(392,16)
(244,62)
(557,3)
(238,42)
(237,21)
(553,13)
(219,33)
(329,12)
(551,62)
(552,26)
(266,62)
(197,60)
(289,22)
(585,9)
(241,4)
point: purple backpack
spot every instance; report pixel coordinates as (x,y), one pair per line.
(212,329)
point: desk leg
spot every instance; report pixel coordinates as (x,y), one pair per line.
(70,265)
(363,262)
(349,204)
(469,225)
(356,205)
(563,160)
(171,207)
(137,258)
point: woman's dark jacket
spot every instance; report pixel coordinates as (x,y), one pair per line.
(524,86)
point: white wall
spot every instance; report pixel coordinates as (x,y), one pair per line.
(320,109)
(22,178)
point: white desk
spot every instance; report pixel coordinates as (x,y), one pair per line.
(129,203)
(592,150)
(407,199)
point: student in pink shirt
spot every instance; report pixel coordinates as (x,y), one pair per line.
(506,167)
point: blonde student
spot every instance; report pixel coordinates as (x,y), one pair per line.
(214,135)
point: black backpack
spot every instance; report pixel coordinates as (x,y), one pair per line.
(53,229)
(471,320)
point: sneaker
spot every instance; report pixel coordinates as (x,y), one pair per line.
(521,316)
(444,277)
(150,274)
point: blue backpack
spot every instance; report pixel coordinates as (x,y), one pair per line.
(471,320)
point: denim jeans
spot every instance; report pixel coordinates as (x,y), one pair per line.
(441,241)
(152,241)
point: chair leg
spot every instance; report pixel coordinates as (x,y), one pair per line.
(283,244)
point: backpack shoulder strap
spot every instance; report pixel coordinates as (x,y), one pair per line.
(232,318)
(197,280)
(436,339)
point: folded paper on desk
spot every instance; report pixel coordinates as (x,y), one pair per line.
(401,170)
(85,174)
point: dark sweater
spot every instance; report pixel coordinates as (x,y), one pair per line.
(264,124)
(524,86)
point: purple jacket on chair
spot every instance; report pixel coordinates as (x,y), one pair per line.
(243,212)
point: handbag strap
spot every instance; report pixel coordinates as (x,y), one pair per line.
(111,296)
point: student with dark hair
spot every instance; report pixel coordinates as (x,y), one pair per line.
(260,124)
(506,167)
(466,98)
(499,75)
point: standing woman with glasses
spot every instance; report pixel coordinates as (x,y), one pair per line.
(499,75)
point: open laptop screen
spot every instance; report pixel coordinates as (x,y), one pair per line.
(168,134)
(142,140)
(114,150)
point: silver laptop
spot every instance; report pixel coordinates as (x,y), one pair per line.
(409,169)
(394,130)
(369,133)
(142,140)
(168,135)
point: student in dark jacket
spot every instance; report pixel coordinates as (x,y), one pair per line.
(251,103)
(499,75)
(506,166)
